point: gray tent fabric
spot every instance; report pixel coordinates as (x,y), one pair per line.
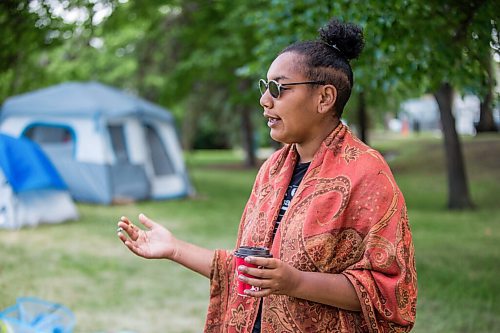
(90,99)
(108,145)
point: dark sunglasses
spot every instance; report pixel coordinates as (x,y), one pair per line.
(275,87)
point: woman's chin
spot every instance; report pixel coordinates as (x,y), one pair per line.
(279,138)
(275,136)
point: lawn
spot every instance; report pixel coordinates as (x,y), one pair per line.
(84,266)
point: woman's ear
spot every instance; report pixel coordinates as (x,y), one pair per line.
(328,98)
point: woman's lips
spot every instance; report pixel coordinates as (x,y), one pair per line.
(272,121)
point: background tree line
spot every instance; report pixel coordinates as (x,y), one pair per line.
(202,58)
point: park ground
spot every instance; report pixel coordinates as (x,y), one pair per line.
(83,265)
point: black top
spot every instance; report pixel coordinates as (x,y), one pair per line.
(298,173)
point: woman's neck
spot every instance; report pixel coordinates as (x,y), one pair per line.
(308,149)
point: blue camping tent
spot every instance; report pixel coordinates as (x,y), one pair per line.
(31,190)
(108,145)
(26,167)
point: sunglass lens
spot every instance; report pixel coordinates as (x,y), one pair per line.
(262,86)
(274,89)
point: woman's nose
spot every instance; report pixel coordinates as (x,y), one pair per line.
(266,101)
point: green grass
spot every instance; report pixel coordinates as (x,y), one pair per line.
(84,266)
(457,252)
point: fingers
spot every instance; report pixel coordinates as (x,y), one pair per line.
(122,237)
(257,272)
(261,286)
(258,293)
(266,267)
(270,277)
(146,221)
(125,220)
(133,247)
(125,226)
(129,241)
(268,263)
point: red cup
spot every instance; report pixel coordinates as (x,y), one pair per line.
(239,256)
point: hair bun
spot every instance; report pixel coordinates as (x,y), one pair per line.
(346,37)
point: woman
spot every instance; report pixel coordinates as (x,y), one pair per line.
(325,204)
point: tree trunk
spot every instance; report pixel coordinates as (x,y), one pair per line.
(248,133)
(189,126)
(486,121)
(248,139)
(190,121)
(362,117)
(458,190)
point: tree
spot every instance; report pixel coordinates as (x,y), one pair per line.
(412,47)
(27,30)
(486,121)
(464,40)
(376,76)
(202,57)
(182,54)
(215,44)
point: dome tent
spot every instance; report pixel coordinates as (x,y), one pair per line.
(31,190)
(108,145)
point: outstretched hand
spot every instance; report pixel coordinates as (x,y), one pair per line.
(272,276)
(156,242)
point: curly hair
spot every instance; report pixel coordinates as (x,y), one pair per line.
(327,58)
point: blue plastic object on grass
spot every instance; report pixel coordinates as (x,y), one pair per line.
(33,315)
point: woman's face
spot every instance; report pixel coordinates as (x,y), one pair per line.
(293,117)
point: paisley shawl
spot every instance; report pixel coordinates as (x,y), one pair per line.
(349,217)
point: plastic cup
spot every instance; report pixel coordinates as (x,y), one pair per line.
(239,257)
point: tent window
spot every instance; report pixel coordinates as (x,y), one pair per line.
(56,141)
(43,134)
(118,142)
(162,164)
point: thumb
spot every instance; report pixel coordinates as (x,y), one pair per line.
(146,221)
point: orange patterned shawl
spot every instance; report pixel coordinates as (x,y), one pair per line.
(348,216)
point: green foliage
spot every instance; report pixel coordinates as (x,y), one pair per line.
(25,31)
(411,46)
(453,53)
(203,56)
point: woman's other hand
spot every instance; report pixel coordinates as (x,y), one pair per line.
(277,277)
(272,276)
(156,242)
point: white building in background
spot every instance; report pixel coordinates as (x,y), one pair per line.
(466,110)
(420,114)
(423,114)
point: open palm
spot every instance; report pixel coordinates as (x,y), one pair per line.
(156,242)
